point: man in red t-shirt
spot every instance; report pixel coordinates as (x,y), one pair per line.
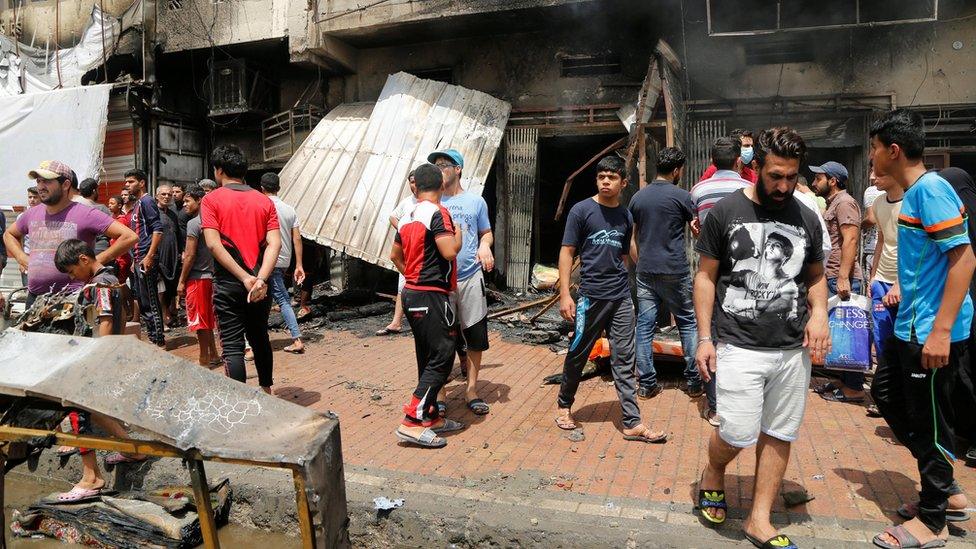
(240,227)
(745,162)
(424,251)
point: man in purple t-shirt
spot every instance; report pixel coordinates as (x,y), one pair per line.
(53,221)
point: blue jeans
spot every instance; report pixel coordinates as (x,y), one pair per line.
(883,317)
(674,291)
(852,380)
(280,294)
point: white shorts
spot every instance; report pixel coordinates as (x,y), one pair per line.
(470,300)
(760,391)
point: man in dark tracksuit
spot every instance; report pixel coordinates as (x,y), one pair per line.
(600,228)
(149,228)
(930,345)
(424,251)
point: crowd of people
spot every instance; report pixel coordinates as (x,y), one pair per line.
(753,320)
(771,250)
(213,249)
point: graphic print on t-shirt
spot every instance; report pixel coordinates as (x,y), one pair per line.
(610,237)
(766,257)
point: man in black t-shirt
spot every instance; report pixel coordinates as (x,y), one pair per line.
(761,273)
(600,229)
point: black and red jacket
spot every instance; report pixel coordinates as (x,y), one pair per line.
(417,233)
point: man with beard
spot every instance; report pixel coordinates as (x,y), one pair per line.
(843,270)
(60,219)
(761,360)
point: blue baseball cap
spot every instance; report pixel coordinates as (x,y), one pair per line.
(450,154)
(832,169)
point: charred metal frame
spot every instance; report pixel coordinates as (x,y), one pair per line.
(857,24)
(194,460)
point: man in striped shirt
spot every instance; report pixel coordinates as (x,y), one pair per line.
(725,180)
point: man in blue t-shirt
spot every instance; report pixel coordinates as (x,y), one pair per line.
(599,229)
(148,225)
(930,345)
(661,212)
(470,212)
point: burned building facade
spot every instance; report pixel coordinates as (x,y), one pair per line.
(263,73)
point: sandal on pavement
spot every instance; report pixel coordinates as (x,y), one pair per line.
(441,408)
(387,331)
(837,395)
(478,406)
(449,426)
(908,511)
(828,387)
(427,439)
(905,539)
(659,438)
(566,422)
(873,411)
(116,458)
(78,493)
(294,350)
(714,499)
(779,541)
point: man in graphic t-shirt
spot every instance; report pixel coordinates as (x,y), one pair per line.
(760,284)
(922,362)
(599,229)
(470,299)
(240,226)
(55,220)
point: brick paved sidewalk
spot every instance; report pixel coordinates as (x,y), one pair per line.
(848,462)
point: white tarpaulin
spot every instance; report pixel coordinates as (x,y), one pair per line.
(66,125)
(24,69)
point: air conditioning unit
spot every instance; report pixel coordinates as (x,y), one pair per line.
(237,89)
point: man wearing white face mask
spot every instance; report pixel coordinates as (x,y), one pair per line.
(745,158)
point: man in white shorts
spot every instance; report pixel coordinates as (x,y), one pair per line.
(761,272)
(470,213)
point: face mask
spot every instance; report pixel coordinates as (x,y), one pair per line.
(746,155)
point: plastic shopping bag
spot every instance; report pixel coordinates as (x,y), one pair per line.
(850,334)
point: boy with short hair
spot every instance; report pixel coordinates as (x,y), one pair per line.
(77,259)
(196,280)
(600,229)
(424,251)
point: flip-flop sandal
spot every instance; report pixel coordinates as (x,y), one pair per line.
(714,499)
(450,426)
(908,511)
(294,351)
(566,426)
(427,439)
(837,395)
(873,411)
(387,331)
(441,408)
(660,439)
(478,406)
(116,458)
(78,494)
(63,453)
(905,540)
(779,541)
(825,388)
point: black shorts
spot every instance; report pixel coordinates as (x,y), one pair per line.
(476,336)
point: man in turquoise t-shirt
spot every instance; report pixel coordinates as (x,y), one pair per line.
(923,358)
(470,213)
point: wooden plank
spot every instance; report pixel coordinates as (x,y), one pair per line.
(642,159)
(642,101)
(668,111)
(201,498)
(305,523)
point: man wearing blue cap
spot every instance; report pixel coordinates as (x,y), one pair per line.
(843,270)
(470,212)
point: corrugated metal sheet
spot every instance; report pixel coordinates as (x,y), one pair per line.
(351,171)
(521,157)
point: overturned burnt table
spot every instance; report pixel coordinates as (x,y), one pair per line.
(190,412)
